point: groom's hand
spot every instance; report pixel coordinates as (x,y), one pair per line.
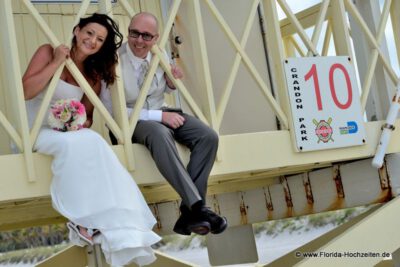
(172,119)
(176,72)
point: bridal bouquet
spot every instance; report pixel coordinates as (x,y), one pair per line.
(67,115)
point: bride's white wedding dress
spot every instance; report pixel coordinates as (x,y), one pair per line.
(91,188)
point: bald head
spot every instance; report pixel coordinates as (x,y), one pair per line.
(147,18)
(143,33)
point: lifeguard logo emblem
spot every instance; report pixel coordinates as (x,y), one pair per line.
(323,130)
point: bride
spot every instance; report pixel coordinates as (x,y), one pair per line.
(90,187)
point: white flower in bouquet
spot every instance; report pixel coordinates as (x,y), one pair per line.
(67,115)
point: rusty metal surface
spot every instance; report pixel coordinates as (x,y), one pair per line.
(340,186)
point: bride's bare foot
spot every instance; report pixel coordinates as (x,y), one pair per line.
(81,231)
(84,231)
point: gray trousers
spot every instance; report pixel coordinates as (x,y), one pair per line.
(190,182)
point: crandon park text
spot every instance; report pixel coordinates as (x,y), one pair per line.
(298,98)
(296,88)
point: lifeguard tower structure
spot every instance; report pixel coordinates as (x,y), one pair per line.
(242,64)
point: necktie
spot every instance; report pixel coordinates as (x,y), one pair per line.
(144,67)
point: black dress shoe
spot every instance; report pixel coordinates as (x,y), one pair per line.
(199,227)
(191,222)
(181,226)
(218,223)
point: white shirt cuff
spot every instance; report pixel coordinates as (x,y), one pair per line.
(148,115)
(154,115)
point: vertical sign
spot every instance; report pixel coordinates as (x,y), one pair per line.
(325,103)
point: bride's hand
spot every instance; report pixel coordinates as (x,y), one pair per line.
(61,53)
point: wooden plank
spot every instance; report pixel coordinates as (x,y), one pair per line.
(67,9)
(16,6)
(4,107)
(54,9)
(42,8)
(31,33)
(67,23)
(20,33)
(58,26)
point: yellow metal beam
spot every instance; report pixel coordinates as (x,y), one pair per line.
(377,233)
(307,19)
(164,260)
(318,27)
(54,80)
(296,45)
(250,198)
(71,256)
(160,58)
(120,112)
(11,131)
(370,37)
(244,153)
(394,10)
(374,57)
(180,86)
(252,69)
(327,39)
(14,83)
(235,66)
(74,70)
(299,29)
(204,62)
(84,256)
(341,36)
(291,258)
(275,44)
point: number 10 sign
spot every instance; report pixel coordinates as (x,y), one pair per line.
(325,103)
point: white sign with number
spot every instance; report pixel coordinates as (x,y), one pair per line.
(325,103)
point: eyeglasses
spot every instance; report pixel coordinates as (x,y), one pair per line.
(145,35)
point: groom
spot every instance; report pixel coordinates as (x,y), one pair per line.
(159,127)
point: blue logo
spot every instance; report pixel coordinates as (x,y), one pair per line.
(351,128)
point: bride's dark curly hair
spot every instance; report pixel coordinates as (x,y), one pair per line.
(101,65)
